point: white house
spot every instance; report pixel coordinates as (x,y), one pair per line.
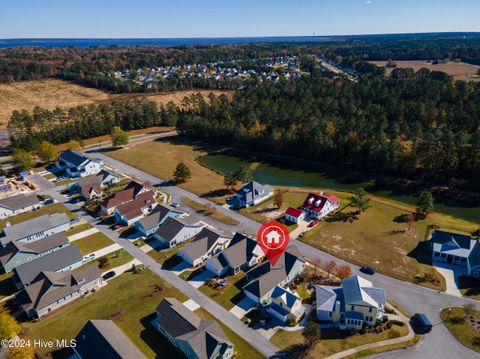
(355,304)
(205,244)
(253,193)
(21,203)
(317,206)
(294,215)
(76,164)
(174,231)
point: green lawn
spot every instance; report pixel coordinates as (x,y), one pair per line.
(48,209)
(242,348)
(229,296)
(386,348)
(333,340)
(77,229)
(165,255)
(7,287)
(92,243)
(199,208)
(115,259)
(49,176)
(461,328)
(129,300)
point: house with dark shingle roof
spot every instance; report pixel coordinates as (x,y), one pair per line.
(67,258)
(194,337)
(92,187)
(241,254)
(104,339)
(253,193)
(17,253)
(174,231)
(20,203)
(457,249)
(204,245)
(354,304)
(264,278)
(76,164)
(149,224)
(52,290)
(285,305)
(317,206)
(131,191)
(134,210)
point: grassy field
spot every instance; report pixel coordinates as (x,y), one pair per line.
(230,295)
(48,209)
(242,348)
(77,229)
(386,348)
(458,71)
(199,208)
(53,93)
(92,243)
(334,341)
(461,327)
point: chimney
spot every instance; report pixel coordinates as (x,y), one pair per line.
(321,193)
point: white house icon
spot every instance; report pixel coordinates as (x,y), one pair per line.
(273,237)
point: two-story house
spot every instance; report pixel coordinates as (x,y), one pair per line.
(76,164)
(317,206)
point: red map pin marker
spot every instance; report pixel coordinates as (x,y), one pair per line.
(273,238)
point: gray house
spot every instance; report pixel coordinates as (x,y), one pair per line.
(64,259)
(174,231)
(36,228)
(193,336)
(253,193)
(149,224)
(21,203)
(15,254)
(52,290)
(205,244)
(103,339)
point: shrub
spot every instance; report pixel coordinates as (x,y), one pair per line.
(396,322)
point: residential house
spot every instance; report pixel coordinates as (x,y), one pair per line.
(67,258)
(253,193)
(131,191)
(36,228)
(21,203)
(134,210)
(354,304)
(317,206)
(149,224)
(174,231)
(92,187)
(193,336)
(285,305)
(52,290)
(264,278)
(76,164)
(241,254)
(294,215)
(457,249)
(205,244)
(15,254)
(104,339)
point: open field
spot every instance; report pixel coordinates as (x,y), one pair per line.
(333,340)
(199,208)
(458,71)
(53,93)
(461,327)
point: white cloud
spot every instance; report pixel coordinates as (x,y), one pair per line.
(368,2)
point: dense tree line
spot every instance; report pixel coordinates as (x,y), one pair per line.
(426,126)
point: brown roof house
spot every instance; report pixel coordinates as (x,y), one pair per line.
(204,245)
(52,290)
(195,337)
(131,191)
(134,210)
(92,187)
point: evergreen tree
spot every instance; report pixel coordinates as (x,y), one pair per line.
(425,203)
(182,173)
(360,200)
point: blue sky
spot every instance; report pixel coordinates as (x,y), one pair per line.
(222,18)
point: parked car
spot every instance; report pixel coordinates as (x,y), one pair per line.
(109,275)
(368,270)
(48,201)
(74,220)
(421,323)
(312,223)
(175,205)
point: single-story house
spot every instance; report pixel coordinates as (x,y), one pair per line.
(134,210)
(264,278)
(76,164)
(21,203)
(253,193)
(294,215)
(193,336)
(103,339)
(15,254)
(317,206)
(205,244)
(457,249)
(149,224)
(241,254)
(285,305)
(67,258)
(174,231)
(354,304)
(131,191)
(52,290)
(36,228)
(92,187)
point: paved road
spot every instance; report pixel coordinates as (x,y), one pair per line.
(437,344)
(262,344)
(132,139)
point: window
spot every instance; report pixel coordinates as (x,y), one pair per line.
(352,307)
(370,309)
